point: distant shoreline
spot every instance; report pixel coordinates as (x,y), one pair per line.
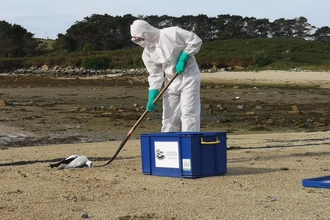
(313,78)
(321,79)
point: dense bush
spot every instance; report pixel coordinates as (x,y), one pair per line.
(261,59)
(277,53)
(95,62)
(11,63)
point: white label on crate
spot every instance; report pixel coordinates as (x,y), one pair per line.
(186,165)
(167,154)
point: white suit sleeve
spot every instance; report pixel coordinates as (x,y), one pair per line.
(156,74)
(191,40)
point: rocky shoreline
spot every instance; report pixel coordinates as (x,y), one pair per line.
(72,72)
(57,72)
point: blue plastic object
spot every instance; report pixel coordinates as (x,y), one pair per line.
(318,182)
(184,154)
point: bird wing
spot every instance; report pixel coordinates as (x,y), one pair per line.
(78,162)
(66,161)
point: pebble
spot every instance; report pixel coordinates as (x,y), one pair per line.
(85,215)
(3,103)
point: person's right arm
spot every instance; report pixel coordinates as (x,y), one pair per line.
(155,79)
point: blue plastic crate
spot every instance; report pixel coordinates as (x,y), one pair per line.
(318,182)
(184,154)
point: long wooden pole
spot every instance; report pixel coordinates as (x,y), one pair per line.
(139,121)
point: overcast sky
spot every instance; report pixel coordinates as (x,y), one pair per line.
(48,18)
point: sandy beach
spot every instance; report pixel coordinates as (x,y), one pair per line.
(263,180)
(321,79)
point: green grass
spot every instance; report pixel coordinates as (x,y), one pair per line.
(250,54)
(282,53)
(47,44)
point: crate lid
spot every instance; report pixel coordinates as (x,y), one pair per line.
(180,134)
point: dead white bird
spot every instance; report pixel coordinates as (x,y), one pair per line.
(73,161)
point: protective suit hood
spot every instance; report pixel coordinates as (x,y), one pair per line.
(144,30)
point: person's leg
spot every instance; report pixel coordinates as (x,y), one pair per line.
(191,107)
(171,112)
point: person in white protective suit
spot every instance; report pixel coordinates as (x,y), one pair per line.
(167,51)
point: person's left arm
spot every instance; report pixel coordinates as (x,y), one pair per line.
(191,40)
(192,46)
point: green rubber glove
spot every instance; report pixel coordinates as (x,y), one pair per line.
(153,93)
(184,57)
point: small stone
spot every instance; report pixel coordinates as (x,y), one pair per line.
(106,114)
(85,215)
(74,109)
(294,108)
(294,112)
(319,124)
(272,199)
(3,103)
(270,122)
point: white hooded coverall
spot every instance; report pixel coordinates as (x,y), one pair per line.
(162,49)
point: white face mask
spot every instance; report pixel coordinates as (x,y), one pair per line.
(141,43)
(144,43)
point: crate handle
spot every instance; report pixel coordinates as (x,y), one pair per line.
(212,142)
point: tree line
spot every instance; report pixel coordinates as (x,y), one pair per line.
(16,41)
(105,32)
